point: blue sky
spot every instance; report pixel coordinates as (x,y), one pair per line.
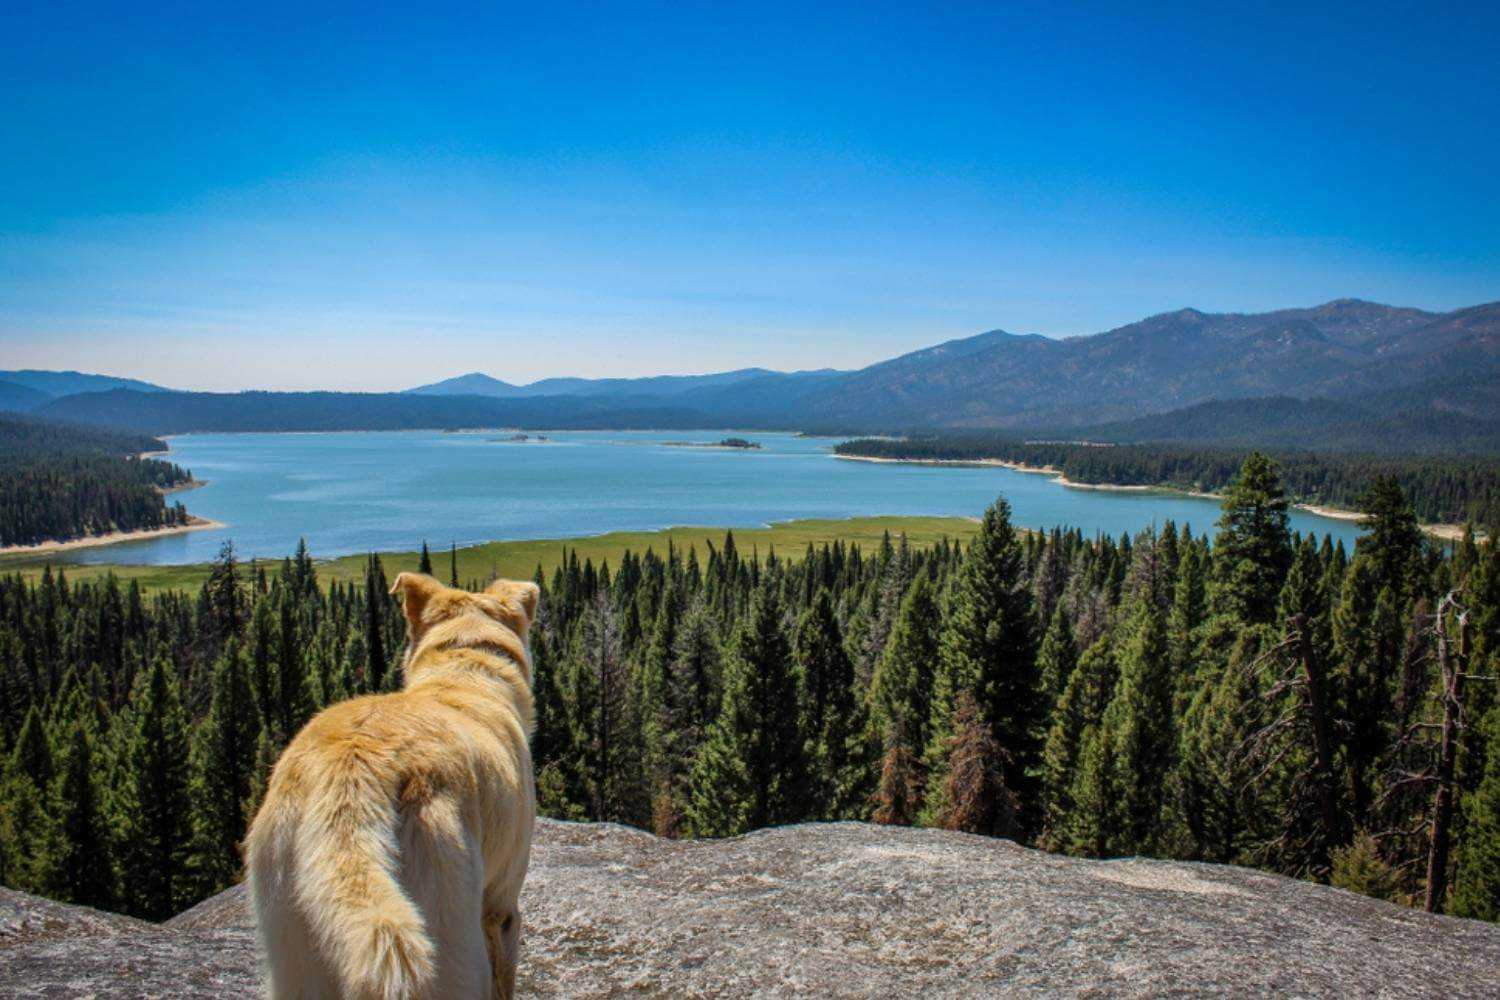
(372,196)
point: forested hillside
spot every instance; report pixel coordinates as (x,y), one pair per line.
(1430,419)
(59,481)
(1268,700)
(19,398)
(1441,490)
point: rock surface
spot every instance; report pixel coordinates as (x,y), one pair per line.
(838,910)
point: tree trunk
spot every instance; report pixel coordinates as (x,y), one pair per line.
(1442,805)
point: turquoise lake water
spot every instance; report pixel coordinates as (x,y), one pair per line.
(349,493)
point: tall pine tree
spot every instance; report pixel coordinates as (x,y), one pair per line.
(752,770)
(154,811)
(988,648)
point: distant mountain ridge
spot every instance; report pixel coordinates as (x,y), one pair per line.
(53,384)
(1165,362)
(1169,361)
(1366,365)
(480,384)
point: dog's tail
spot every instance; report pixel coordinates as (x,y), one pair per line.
(347,863)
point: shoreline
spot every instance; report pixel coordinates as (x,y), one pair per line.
(195,523)
(1442,532)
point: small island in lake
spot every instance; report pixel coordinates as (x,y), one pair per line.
(737,443)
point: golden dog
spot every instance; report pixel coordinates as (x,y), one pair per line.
(388,856)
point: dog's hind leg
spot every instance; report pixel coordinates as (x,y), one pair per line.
(442,872)
(293,968)
(502,938)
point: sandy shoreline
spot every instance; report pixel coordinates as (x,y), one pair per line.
(1444,532)
(113,538)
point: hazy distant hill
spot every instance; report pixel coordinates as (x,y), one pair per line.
(480,384)
(472,384)
(69,383)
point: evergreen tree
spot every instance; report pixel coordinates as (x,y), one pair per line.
(265,675)
(1189,609)
(832,722)
(988,648)
(1252,551)
(659,715)
(1057,657)
(694,679)
(154,810)
(1392,540)
(224,600)
(1366,640)
(375,647)
(424,563)
(1137,732)
(752,769)
(1359,867)
(1476,890)
(223,760)
(900,690)
(1097,811)
(1219,810)
(85,869)
(604,768)
(1079,711)
(32,754)
(29,847)
(298,684)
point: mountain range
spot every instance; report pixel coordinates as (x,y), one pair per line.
(480,384)
(1339,350)
(1432,378)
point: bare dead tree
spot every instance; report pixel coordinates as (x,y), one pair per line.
(1314,695)
(1434,737)
(1451,664)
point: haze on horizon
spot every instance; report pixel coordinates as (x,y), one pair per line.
(343,198)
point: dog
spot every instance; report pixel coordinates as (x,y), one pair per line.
(388,856)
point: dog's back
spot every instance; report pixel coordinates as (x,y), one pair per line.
(388,856)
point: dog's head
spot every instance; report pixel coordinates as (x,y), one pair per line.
(427,603)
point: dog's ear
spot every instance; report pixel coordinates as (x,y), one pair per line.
(415,590)
(523,595)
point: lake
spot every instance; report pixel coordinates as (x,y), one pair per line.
(351,493)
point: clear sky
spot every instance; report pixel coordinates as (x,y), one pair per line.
(373,196)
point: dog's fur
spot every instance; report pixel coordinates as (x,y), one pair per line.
(387,859)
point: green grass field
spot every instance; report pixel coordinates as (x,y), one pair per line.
(521,558)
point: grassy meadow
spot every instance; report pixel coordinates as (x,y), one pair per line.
(521,558)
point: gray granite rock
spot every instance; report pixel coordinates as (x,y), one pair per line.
(839,910)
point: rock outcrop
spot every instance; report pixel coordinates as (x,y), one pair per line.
(838,910)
